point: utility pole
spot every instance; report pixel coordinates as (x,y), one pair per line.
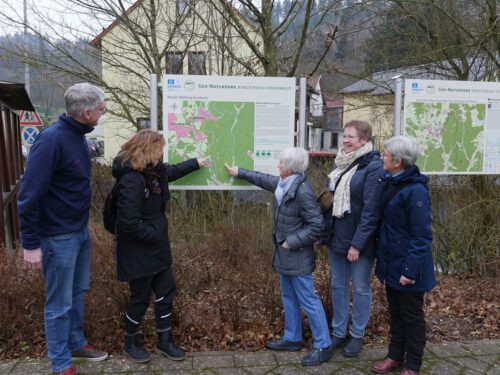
(26,47)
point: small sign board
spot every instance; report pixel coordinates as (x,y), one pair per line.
(29,133)
(30,119)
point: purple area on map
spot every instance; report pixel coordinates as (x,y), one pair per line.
(184,130)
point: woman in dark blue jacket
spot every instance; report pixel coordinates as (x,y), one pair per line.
(404,257)
(353,225)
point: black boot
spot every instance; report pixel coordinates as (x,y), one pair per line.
(133,349)
(166,346)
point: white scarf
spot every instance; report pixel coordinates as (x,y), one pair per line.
(342,195)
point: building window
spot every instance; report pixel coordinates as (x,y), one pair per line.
(335,117)
(197,63)
(174,62)
(334,140)
(183,8)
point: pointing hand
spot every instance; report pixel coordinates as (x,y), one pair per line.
(203,162)
(233,171)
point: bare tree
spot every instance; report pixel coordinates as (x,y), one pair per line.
(277,52)
(129,40)
(460,36)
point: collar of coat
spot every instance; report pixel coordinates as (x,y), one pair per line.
(290,194)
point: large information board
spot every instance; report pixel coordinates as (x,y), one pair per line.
(457,124)
(243,121)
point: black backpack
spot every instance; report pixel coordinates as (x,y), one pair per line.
(109,209)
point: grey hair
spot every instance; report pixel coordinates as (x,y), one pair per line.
(294,159)
(82,96)
(404,148)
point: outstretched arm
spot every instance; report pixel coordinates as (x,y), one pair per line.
(263,180)
(179,170)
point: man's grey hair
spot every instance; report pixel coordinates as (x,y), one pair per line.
(295,159)
(404,148)
(82,96)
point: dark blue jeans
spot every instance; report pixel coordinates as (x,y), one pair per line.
(66,266)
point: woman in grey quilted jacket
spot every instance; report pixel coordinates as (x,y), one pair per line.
(298,224)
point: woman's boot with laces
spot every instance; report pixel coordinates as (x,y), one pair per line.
(134,349)
(166,346)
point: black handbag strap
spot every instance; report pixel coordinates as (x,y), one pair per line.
(354,163)
(395,189)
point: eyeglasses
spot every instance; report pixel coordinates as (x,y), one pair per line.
(350,137)
(389,155)
(103,110)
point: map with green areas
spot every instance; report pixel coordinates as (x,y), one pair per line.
(451,135)
(220,129)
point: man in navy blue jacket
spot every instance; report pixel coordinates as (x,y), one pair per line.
(53,205)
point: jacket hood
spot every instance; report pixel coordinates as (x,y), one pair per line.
(374,154)
(367,158)
(119,169)
(411,174)
(295,185)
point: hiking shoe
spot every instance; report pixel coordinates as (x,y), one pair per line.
(409,372)
(386,366)
(67,371)
(353,346)
(337,342)
(133,348)
(318,356)
(89,353)
(282,344)
(166,346)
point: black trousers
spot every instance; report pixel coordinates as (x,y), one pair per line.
(407,331)
(163,285)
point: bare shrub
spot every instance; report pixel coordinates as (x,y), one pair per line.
(228,295)
(22,299)
(466,224)
(106,301)
(319,168)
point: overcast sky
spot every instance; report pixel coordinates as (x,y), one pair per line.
(49,16)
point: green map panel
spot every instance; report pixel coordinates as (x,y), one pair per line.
(222,130)
(451,135)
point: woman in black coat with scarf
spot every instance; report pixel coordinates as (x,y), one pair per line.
(144,258)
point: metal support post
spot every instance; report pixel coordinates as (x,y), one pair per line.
(302,112)
(153,117)
(398,100)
